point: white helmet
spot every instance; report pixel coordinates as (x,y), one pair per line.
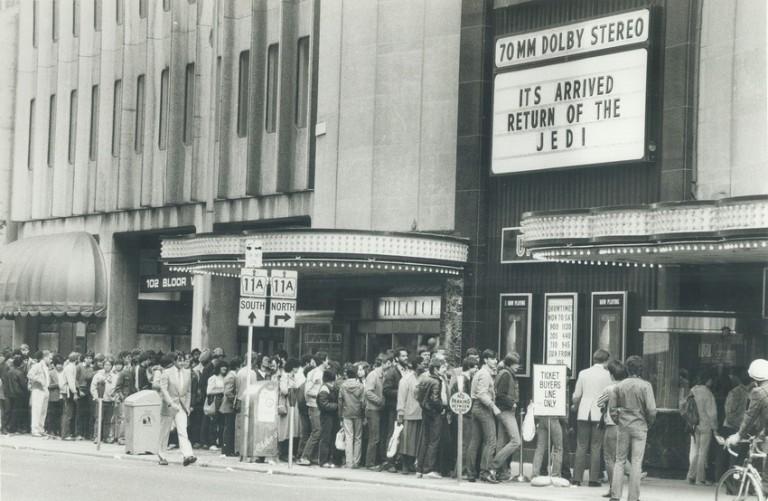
(758,369)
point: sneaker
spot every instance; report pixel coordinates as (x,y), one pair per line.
(303,462)
(69,439)
(392,469)
(432,474)
(593,483)
(79,437)
(375,468)
(419,475)
(213,448)
(329,465)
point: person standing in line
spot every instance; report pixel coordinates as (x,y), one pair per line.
(735,407)
(469,369)
(391,384)
(122,387)
(108,378)
(432,409)
(352,413)
(39,379)
(55,402)
(484,411)
(305,427)
(506,400)
(633,406)
(374,405)
(174,386)
(227,408)
(409,415)
(69,396)
(589,386)
(618,373)
(15,384)
(328,403)
(311,389)
(701,438)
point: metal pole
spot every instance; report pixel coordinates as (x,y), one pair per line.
(520,475)
(247,401)
(460,433)
(549,448)
(290,428)
(98,431)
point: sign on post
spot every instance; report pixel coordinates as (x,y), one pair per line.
(252,311)
(460,403)
(282,313)
(550,384)
(253,253)
(283,284)
(253,282)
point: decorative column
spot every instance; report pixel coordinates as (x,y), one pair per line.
(451,318)
(119,330)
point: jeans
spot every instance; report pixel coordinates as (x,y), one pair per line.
(467,427)
(353,431)
(374,438)
(53,419)
(228,443)
(508,433)
(483,427)
(431,428)
(546,429)
(119,421)
(327,438)
(636,439)
(107,432)
(699,455)
(306,428)
(311,449)
(588,436)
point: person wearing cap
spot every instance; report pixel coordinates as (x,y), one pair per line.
(756,415)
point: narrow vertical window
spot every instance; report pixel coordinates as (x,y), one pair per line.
(55,20)
(119,11)
(117,110)
(76,18)
(302,82)
(35,15)
(272,71)
(72,127)
(189,104)
(94,135)
(97,15)
(138,140)
(31,143)
(166,5)
(52,130)
(242,95)
(217,125)
(143,9)
(162,134)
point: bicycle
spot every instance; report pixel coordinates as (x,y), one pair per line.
(742,483)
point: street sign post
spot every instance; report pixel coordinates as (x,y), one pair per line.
(460,403)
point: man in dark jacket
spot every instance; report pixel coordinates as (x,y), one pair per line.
(15,387)
(328,404)
(434,399)
(391,382)
(506,400)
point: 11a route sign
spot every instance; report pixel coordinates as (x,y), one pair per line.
(253,282)
(283,284)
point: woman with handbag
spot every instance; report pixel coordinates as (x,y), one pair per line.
(215,395)
(409,415)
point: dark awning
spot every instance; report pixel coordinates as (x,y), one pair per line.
(53,275)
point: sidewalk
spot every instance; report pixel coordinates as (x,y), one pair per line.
(652,489)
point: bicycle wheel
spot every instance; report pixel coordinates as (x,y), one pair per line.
(739,485)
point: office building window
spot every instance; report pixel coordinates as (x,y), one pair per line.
(94,135)
(55,20)
(52,130)
(166,5)
(97,15)
(217,125)
(143,9)
(302,82)
(119,11)
(162,129)
(138,140)
(31,142)
(76,18)
(189,104)
(117,110)
(72,127)
(273,54)
(242,95)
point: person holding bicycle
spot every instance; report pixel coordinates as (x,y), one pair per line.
(756,417)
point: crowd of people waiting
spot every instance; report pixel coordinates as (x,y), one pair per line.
(51,396)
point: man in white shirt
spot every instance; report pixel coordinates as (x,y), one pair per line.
(39,378)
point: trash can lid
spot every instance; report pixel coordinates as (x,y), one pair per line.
(143,398)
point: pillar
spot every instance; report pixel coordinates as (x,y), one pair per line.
(452,301)
(214,313)
(119,330)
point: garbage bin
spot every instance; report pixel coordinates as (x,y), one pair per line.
(142,422)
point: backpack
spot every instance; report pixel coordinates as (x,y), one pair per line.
(689,413)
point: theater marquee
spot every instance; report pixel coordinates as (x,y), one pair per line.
(581,112)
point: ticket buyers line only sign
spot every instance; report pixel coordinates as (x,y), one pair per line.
(550,384)
(583,112)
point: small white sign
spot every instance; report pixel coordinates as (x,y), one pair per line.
(460,403)
(253,282)
(253,253)
(550,383)
(283,284)
(253,311)
(282,313)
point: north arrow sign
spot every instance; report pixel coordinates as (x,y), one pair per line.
(282,313)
